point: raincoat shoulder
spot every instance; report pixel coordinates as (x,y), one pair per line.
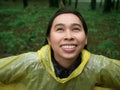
(16,67)
(107,71)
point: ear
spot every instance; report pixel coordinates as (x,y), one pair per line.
(86,41)
(48,39)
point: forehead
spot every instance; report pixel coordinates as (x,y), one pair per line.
(67,18)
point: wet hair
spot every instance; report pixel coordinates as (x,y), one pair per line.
(66,10)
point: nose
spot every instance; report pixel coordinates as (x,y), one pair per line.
(68,35)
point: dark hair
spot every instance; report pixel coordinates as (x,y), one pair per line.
(63,11)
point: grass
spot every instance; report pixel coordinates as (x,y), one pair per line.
(23,30)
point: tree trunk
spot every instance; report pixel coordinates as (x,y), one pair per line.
(64,2)
(25,3)
(76,3)
(117,4)
(14,0)
(101,3)
(93,4)
(69,2)
(5,0)
(54,3)
(113,4)
(107,6)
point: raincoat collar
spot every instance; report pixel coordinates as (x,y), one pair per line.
(45,58)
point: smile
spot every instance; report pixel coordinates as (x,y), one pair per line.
(68,46)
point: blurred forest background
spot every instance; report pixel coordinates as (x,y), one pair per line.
(23,24)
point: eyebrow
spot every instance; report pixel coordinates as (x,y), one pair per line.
(60,24)
(74,24)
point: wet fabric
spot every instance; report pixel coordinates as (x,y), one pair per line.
(35,71)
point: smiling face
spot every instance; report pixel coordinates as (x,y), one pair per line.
(67,37)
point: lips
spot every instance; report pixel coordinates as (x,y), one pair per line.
(69,47)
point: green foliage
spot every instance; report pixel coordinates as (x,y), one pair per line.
(108,47)
(8,41)
(23,30)
(93,30)
(107,44)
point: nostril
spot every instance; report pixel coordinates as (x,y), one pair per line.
(68,35)
(68,38)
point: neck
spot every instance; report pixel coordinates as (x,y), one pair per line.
(67,63)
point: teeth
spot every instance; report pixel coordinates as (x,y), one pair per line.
(68,46)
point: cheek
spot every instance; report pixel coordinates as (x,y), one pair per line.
(54,39)
(80,36)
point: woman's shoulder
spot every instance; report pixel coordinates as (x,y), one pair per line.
(28,57)
(102,61)
(102,58)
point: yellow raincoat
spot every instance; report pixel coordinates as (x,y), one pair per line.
(35,71)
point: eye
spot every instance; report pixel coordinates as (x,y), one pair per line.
(60,29)
(76,29)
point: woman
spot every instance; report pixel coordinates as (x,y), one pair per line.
(63,63)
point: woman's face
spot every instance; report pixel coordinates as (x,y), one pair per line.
(67,37)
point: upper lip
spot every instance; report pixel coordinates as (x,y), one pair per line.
(68,45)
